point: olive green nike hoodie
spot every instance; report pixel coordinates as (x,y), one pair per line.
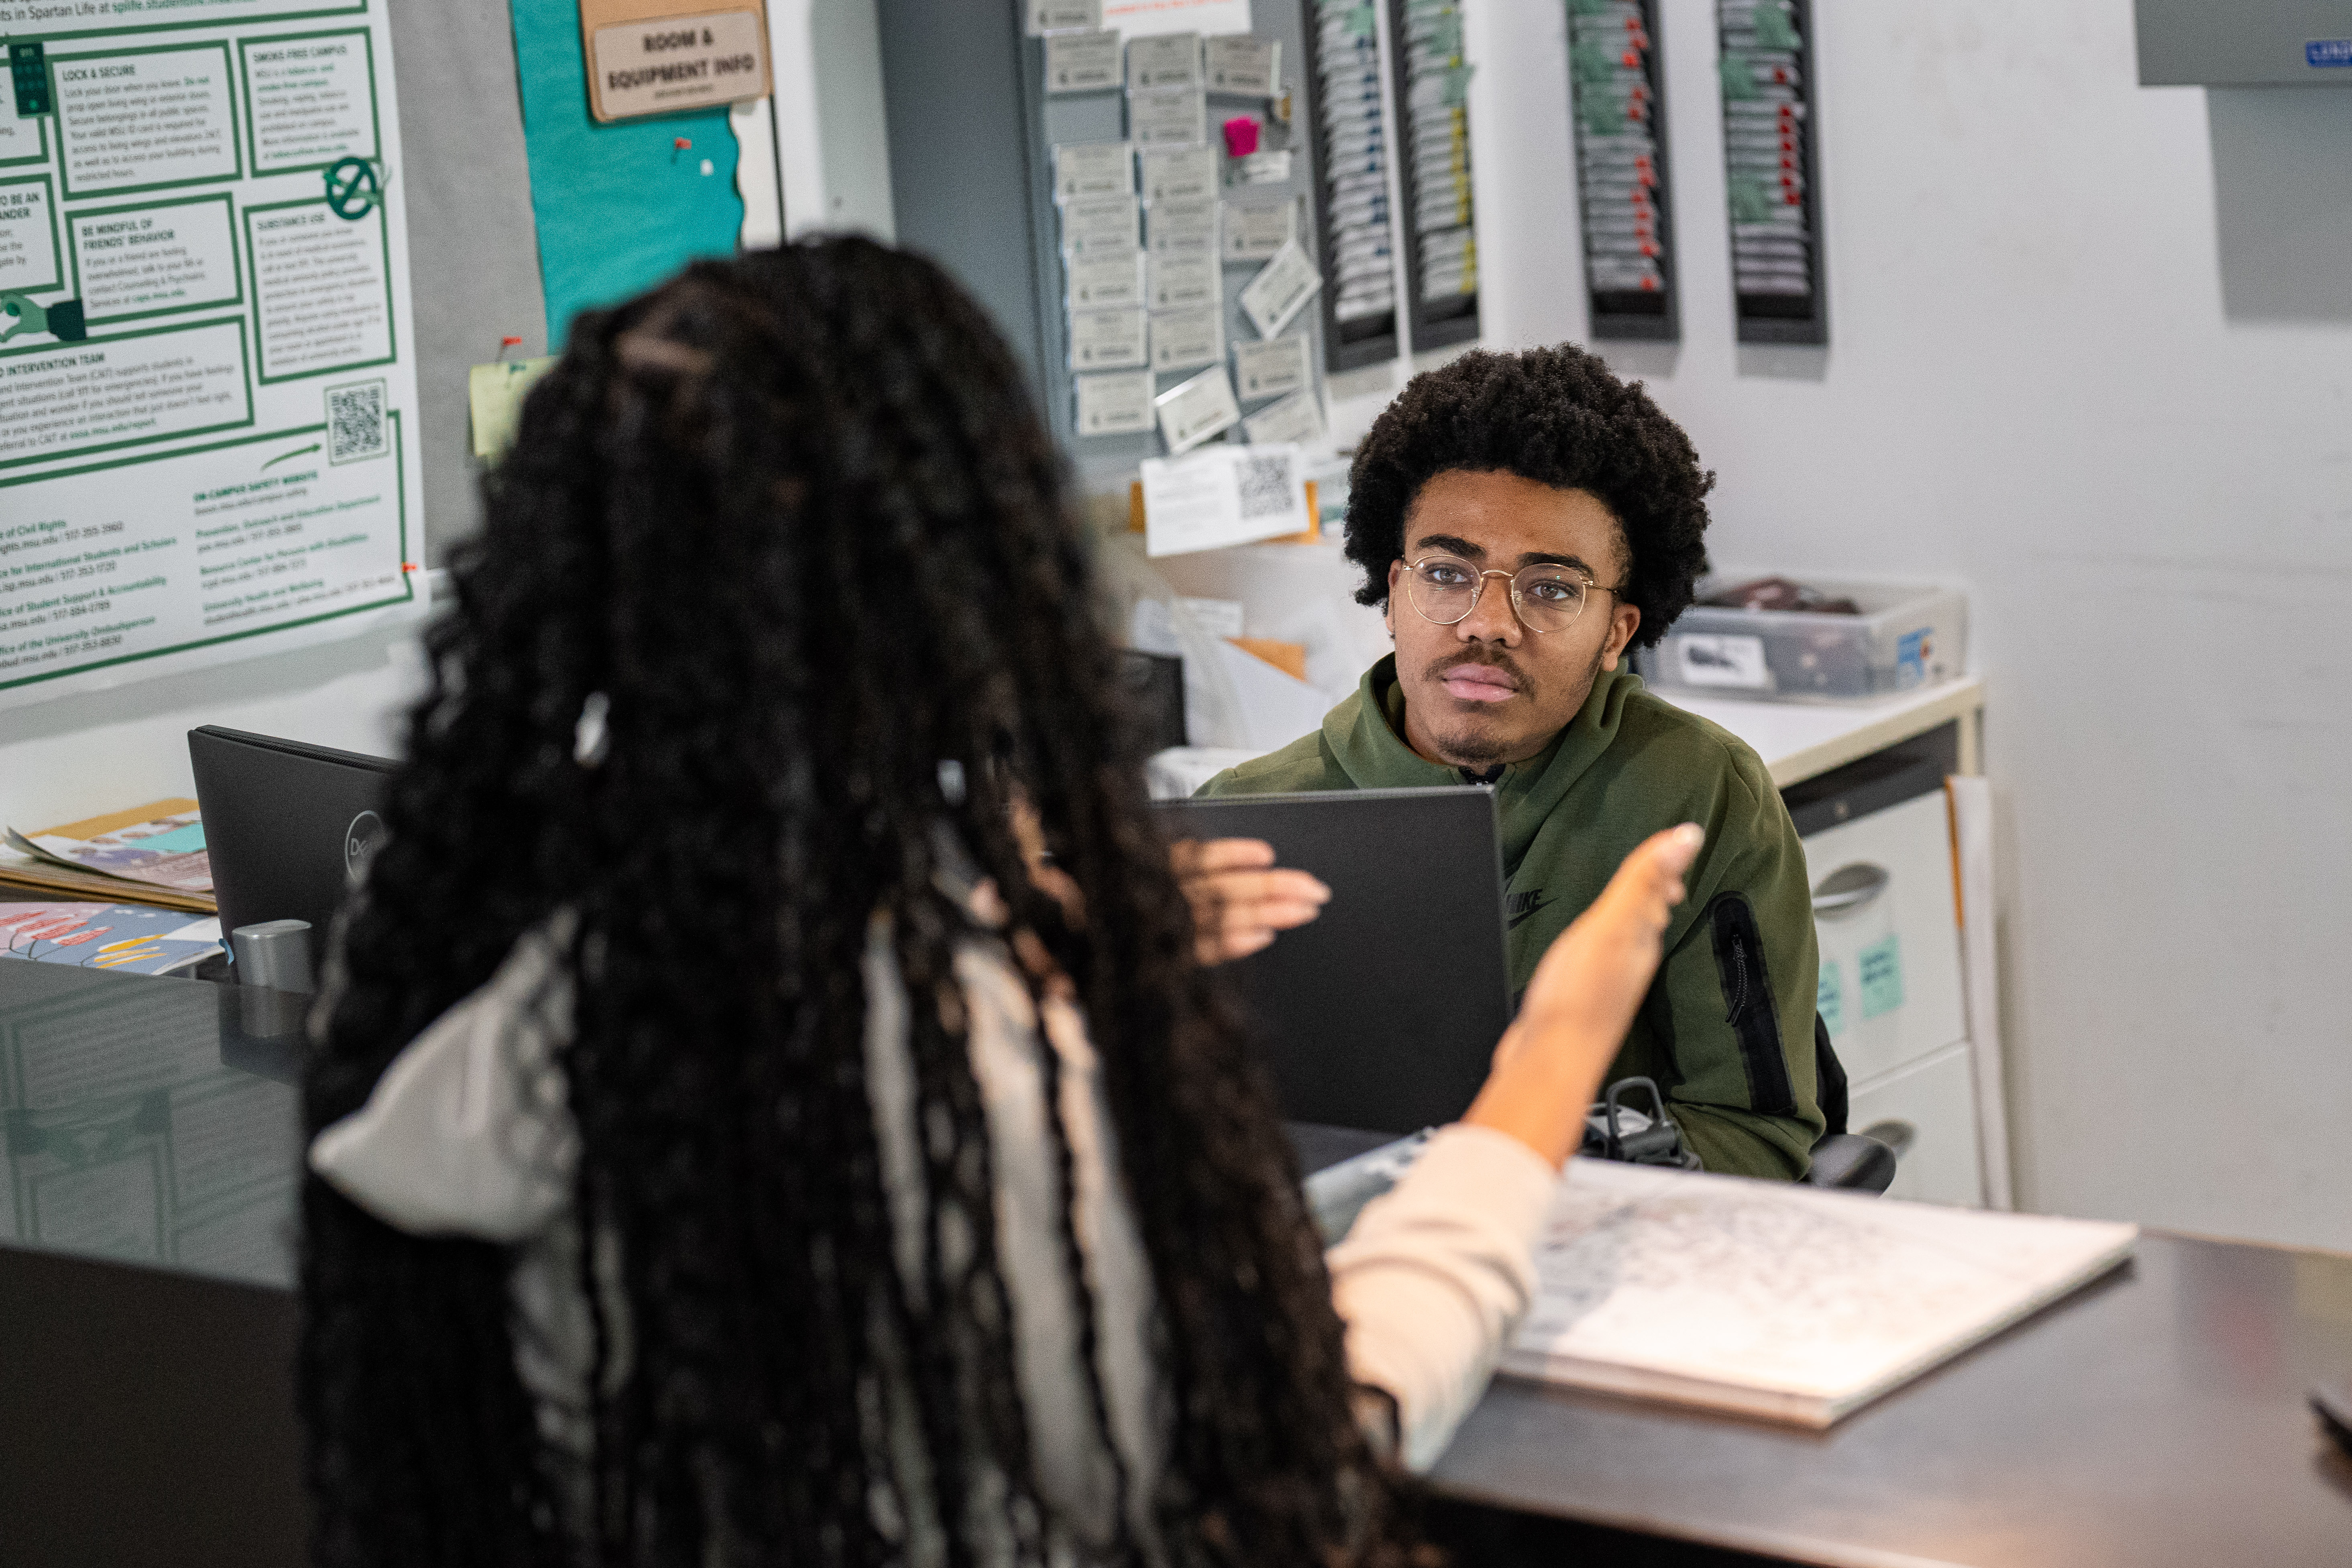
(1727,1028)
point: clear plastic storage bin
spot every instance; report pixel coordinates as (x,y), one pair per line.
(1905,636)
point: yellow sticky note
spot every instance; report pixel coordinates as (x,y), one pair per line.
(496,393)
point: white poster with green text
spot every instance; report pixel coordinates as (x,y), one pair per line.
(207,379)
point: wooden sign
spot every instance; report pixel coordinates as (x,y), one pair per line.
(671,57)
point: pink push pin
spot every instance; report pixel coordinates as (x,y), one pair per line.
(1241,136)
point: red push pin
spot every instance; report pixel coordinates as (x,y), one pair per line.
(678,145)
(504,345)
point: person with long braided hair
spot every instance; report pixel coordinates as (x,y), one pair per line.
(769,1102)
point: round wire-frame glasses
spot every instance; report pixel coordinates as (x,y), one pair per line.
(1545,597)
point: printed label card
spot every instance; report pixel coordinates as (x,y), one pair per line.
(1242,66)
(1276,294)
(1274,368)
(1187,339)
(1109,340)
(1092,169)
(1172,59)
(1115,404)
(1192,411)
(1082,62)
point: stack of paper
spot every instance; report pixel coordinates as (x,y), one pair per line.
(152,854)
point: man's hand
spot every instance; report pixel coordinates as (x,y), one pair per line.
(1240,898)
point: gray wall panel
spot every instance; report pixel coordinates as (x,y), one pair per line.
(2239,43)
(958,178)
(473,248)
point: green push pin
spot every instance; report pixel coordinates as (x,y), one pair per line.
(61,319)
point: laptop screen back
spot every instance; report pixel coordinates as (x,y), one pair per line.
(1383,1013)
(289,826)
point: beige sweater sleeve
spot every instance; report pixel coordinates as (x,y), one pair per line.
(1436,1274)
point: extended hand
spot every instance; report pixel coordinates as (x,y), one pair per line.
(1240,898)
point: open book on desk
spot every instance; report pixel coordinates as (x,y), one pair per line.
(1792,1304)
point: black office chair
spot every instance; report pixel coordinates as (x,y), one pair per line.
(1842,1159)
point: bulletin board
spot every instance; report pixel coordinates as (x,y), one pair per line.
(1052,119)
(619,206)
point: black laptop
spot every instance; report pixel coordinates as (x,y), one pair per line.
(290,827)
(1383,1013)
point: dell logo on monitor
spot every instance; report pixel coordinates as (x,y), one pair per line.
(361,839)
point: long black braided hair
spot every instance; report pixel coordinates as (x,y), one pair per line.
(794,518)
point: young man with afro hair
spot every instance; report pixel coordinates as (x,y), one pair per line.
(1521,519)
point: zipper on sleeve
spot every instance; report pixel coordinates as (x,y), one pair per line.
(1747,1004)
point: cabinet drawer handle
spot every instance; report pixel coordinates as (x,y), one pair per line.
(1848,889)
(1896,1135)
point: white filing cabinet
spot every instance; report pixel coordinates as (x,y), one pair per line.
(1888,923)
(1930,1108)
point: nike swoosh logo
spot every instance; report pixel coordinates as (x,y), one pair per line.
(1524,905)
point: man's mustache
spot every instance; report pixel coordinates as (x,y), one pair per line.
(1498,660)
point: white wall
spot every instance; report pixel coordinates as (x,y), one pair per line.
(78,756)
(832,140)
(2129,431)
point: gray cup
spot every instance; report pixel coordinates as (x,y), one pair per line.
(275,953)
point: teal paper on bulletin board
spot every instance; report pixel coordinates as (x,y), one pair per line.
(619,208)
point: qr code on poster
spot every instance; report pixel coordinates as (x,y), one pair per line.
(1267,485)
(355,422)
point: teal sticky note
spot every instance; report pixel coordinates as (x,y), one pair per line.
(1829,996)
(1881,967)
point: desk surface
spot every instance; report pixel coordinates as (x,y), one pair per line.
(1800,741)
(149,1119)
(2155,1418)
(1797,740)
